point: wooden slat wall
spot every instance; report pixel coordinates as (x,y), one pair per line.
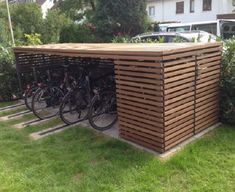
(207,90)
(140,102)
(179,83)
(191,89)
(164,95)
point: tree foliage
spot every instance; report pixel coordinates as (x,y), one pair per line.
(8,78)
(122,17)
(77,34)
(228,82)
(26,19)
(52,26)
(76,9)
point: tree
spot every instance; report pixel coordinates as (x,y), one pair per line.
(77,34)
(4,28)
(121,17)
(76,9)
(52,26)
(27,17)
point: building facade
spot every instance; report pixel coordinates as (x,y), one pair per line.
(188,10)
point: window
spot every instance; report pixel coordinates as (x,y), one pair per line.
(207,5)
(233,3)
(178,29)
(152,11)
(210,28)
(192,6)
(179,7)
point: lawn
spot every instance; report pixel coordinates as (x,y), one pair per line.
(81,160)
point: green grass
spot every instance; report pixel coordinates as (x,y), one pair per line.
(80,160)
(5,104)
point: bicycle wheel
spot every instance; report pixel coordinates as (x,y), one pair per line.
(29,96)
(74,107)
(103,111)
(46,102)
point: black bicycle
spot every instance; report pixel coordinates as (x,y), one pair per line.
(46,100)
(102,113)
(76,105)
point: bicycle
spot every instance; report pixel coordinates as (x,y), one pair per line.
(76,104)
(102,113)
(47,98)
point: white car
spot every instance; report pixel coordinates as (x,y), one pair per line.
(173,37)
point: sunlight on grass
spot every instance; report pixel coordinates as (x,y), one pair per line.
(80,159)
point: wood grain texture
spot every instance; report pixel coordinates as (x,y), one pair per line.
(166,93)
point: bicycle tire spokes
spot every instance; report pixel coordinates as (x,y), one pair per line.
(74,108)
(46,102)
(102,113)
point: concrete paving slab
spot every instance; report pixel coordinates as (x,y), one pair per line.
(15,115)
(25,124)
(44,133)
(12,107)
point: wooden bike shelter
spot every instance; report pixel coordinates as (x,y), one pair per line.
(166,93)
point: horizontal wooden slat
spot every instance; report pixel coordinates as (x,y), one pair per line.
(173,120)
(208,100)
(187,128)
(178,103)
(212,103)
(142,120)
(141,129)
(140,95)
(144,106)
(178,113)
(178,93)
(139,80)
(140,100)
(135,63)
(179,72)
(211,86)
(180,87)
(141,125)
(138,74)
(179,127)
(138,109)
(140,85)
(179,67)
(179,82)
(140,90)
(179,122)
(140,115)
(179,98)
(168,112)
(138,69)
(178,141)
(173,79)
(205,126)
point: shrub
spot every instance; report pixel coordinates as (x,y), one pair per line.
(8,77)
(33,39)
(77,34)
(228,82)
(121,39)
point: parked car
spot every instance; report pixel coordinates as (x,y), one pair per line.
(224,28)
(173,37)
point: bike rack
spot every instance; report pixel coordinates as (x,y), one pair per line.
(166,93)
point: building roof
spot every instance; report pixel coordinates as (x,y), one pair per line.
(111,50)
